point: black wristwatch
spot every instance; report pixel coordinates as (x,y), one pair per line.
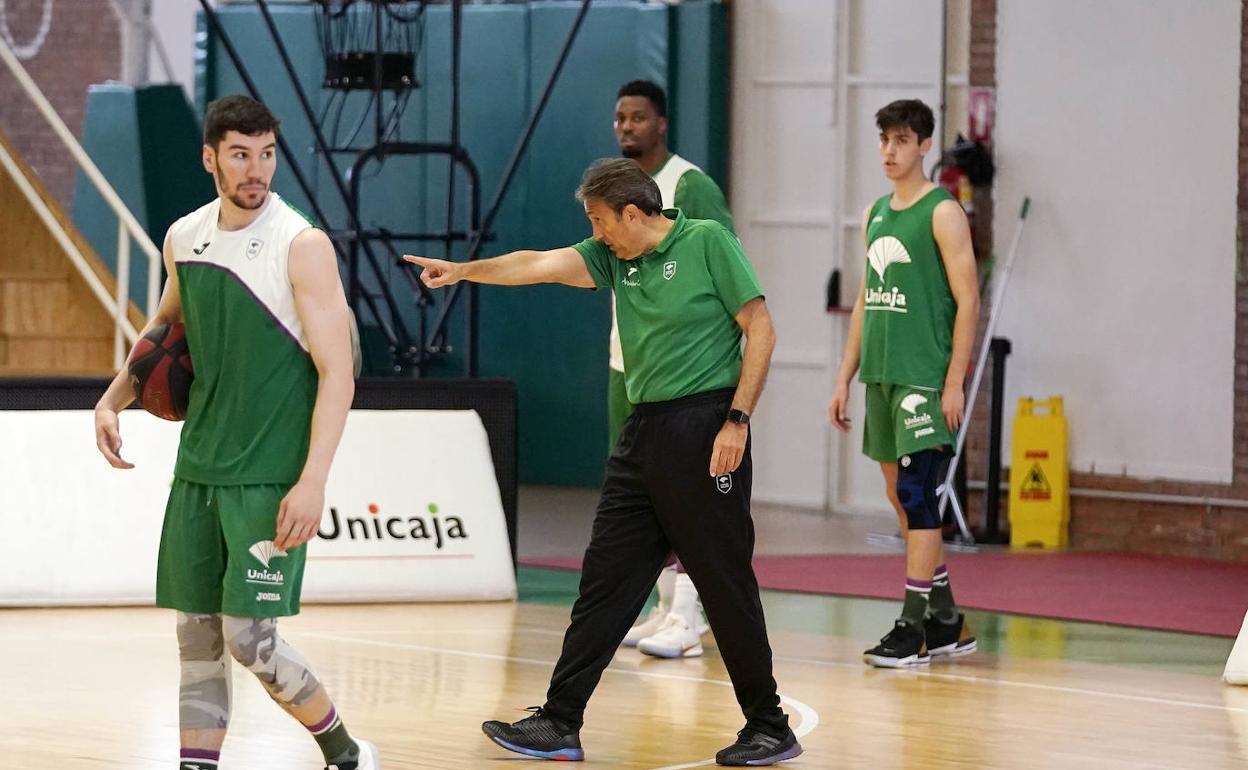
(738,416)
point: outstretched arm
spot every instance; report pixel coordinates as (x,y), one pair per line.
(519,268)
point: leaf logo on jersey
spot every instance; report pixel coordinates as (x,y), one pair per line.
(264,551)
(887,251)
(253,248)
(632,277)
(669,269)
(883,252)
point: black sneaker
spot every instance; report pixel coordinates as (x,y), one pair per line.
(755,749)
(537,736)
(903,646)
(948,639)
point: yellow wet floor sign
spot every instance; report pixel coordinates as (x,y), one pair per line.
(1039,476)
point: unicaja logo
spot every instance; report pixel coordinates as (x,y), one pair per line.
(911,404)
(374,526)
(265,551)
(882,253)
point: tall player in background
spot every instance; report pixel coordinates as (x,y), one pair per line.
(911,332)
(674,627)
(267,324)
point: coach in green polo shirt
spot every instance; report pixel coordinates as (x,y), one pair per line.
(679,478)
(676,306)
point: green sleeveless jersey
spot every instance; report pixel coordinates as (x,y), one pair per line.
(249,420)
(907,324)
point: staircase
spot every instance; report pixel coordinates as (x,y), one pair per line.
(51,324)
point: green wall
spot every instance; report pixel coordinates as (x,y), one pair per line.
(552,341)
(146,143)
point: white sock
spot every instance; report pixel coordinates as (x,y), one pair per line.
(685,601)
(667,587)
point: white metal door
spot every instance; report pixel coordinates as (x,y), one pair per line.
(808,78)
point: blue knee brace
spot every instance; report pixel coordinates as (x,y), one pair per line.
(920,480)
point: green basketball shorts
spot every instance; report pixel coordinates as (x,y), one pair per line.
(217,552)
(901,420)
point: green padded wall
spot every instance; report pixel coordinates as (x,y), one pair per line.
(552,341)
(146,142)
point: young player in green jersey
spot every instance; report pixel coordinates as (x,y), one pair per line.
(268,329)
(674,627)
(910,338)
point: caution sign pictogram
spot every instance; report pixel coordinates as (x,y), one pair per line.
(1035,485)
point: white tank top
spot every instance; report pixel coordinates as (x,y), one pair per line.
(257,255)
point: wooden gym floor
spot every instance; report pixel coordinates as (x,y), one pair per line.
(97,688)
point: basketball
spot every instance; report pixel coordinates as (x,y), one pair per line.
(161,373)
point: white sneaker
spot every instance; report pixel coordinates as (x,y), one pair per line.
(676,639)
(646,625)
(370,758)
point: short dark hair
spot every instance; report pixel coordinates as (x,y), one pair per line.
(619,182)
(237,113)
(907,113)
(648,89)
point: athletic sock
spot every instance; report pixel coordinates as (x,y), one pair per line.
(335,742)
(914,607)
(940,604)
(199,759)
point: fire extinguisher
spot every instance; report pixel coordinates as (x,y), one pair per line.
(963,167)
(955,179)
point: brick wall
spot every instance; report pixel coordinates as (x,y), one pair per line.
(982,72)
(83,47)
(1100,523)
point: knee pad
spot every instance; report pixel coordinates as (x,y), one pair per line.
(254,642)
(204,697)
(920,481)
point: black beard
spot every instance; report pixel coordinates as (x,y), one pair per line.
(237,200)
(631,152)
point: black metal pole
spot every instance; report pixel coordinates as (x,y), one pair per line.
(998,349)
(377,89)
(513,164)
(397,335)
(472,311)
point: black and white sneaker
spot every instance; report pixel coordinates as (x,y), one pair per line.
(904,646)
(369,759)
(538,736)
(755,749)
(951,640)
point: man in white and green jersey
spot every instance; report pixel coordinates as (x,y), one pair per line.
(674,627)
(268,329)
(910,338)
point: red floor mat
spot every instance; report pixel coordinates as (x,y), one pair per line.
(1192,595)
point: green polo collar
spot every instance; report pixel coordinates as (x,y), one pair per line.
(672,234)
